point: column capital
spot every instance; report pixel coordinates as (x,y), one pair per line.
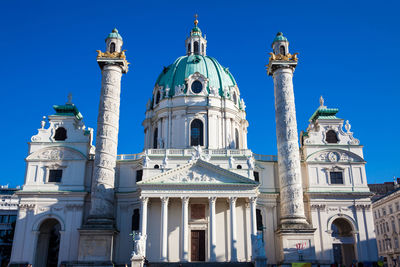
(212,199)
(164,200)
(185,199)
(232,200)
(144,200)
(253,200)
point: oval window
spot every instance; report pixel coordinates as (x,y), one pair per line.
(197,87)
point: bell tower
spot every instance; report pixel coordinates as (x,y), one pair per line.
(294,228)
(98,233)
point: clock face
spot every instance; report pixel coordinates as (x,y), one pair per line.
(197,87)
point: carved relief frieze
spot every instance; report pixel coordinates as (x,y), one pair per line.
(334,156)
(320,207)
(55,154)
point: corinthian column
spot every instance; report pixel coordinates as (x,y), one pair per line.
(281,67)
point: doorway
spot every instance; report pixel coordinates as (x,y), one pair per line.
(343,242)
(48,244)
(198,245)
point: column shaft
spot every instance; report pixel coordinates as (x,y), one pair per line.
(213,237)
(164,228)
(143,222)
(102,196)
(291,189)
(232,202)
(185,239)
(253,215)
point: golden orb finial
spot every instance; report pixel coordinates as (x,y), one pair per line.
(195,20)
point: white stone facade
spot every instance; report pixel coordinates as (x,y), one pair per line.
(207,202)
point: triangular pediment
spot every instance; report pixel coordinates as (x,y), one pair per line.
(199,172)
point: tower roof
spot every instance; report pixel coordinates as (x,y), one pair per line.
(279,37)
(324,113)
(114,34)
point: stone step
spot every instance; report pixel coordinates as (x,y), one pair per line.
(200,264)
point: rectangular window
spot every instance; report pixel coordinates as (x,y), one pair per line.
(139,175)
(55,176)
(393,226)
(3,219)
(384,211)
(375,215)
(256,176)
(390,209)
(377,229)
(397,206)
(336,177)
(12,218)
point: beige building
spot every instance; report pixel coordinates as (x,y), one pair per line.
(387,226)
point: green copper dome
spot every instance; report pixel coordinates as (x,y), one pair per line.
(279,37)
(196,31)
(114,34)
(176,73)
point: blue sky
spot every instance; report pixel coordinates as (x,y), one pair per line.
(348,53)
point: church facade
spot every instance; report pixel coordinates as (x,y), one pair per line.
(196,192)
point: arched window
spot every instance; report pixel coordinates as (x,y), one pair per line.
(112,47)
(158,96)
(197,87)
(202,48)
(234,98)
(331,137)
(189,48)
(196,133)
(61,134)
(135,220)
(155,138)
(237,138)
(259,220)
(282,50)
(196,47)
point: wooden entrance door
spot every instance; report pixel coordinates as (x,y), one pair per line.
(198,245)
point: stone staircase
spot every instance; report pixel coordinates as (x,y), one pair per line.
(200,264)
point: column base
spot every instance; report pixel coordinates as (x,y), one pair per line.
(137,261)
(296,244)
(96,245)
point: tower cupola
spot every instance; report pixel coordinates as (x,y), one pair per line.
(280,45)
(114,42)
(195,43)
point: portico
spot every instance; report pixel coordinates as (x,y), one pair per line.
(197,221)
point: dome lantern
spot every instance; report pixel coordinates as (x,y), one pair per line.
(280,45)
(195,43)
(114,42)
